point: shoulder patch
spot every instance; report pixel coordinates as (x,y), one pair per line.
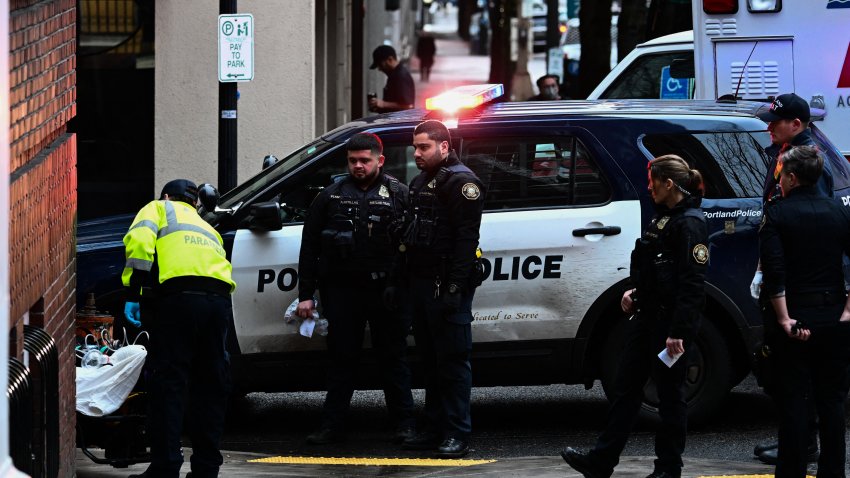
(470,191)
(700,253)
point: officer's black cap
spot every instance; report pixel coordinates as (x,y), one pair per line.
(380,54)
(180,187)
(788,106)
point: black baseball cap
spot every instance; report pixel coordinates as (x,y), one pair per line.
(380,54)
(787,106)
(180,187)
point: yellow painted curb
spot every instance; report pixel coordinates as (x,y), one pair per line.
(311,460)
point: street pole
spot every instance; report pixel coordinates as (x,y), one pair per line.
(227,122)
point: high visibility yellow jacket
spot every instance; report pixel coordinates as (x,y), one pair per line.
(183,244)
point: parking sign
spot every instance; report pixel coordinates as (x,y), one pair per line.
(236,47)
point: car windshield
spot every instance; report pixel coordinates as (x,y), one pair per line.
(270,175)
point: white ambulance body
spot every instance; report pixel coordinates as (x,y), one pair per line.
(755,50)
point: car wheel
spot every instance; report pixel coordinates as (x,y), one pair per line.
(708,378)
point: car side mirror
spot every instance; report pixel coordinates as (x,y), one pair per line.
(682,68)
(265,216)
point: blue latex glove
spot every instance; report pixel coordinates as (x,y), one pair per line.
(131,313)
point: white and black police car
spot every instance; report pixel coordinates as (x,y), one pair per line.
(566,199)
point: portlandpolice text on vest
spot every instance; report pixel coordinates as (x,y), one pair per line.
(735,213)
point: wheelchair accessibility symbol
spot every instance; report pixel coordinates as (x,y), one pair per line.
(673,88)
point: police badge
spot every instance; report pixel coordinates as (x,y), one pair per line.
(700,253)
(384,192)
(470,191)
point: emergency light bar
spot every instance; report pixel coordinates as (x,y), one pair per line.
(464,97)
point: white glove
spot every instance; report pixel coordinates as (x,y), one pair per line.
(755,285)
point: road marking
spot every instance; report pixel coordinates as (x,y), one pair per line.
(317,460)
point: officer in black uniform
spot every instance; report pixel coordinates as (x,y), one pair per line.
(668,271)
(788,123)
(350,242)
(802,239)
(446,201)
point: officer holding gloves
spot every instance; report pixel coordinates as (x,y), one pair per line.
(182,256)
(446,202)
(349,246)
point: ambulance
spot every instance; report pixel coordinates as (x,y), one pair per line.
(749,50)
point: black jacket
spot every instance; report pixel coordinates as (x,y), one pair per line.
(350,233)
(801,242)
(668,267)
(771,186)
(446,204)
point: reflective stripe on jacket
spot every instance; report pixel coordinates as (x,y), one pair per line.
(184,244)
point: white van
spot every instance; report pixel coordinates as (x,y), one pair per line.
(752,49)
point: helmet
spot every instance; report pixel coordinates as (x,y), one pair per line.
(209,196)
(269,160)
(182,188)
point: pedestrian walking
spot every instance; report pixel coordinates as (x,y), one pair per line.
(446,202)
(426,49)
(668,275)
(399,92)
(348,247)
(171,247)
(801,242)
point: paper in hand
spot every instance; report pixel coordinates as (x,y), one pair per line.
(306,328)
(667,358)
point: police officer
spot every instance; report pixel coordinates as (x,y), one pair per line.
(788,124)
(668,272)
(446,201)
(802,240)
(170,246)
(349,245)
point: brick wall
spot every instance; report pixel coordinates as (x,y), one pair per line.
(43,187)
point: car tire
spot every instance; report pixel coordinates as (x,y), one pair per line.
(709,376)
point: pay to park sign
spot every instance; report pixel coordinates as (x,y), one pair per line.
(236,47)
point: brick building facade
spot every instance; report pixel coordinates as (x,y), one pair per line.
(43,191)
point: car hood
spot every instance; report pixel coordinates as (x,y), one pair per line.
(102,232)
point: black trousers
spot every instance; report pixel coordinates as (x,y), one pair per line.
(189,365)
(646,337)
(444,343)
(348,308)
(817,367)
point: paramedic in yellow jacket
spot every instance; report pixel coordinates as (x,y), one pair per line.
(172,248)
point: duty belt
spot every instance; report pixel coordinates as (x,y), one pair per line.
(813,299)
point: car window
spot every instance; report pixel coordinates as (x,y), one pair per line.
(642,79)
(521,174)
(732,164)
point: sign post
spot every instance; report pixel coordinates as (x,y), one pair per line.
(235,64)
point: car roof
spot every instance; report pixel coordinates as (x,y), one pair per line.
(680,37)
(574,109)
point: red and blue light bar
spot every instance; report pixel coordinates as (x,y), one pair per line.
(464,97)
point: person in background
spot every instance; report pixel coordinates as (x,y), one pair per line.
(548,87)
(399,92)
(426,48)
(668,278)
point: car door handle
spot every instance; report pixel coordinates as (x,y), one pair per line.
(605,231)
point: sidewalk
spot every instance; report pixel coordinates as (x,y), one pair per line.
(238,464)
(453,63)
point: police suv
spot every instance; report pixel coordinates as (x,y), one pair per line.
(566,199)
